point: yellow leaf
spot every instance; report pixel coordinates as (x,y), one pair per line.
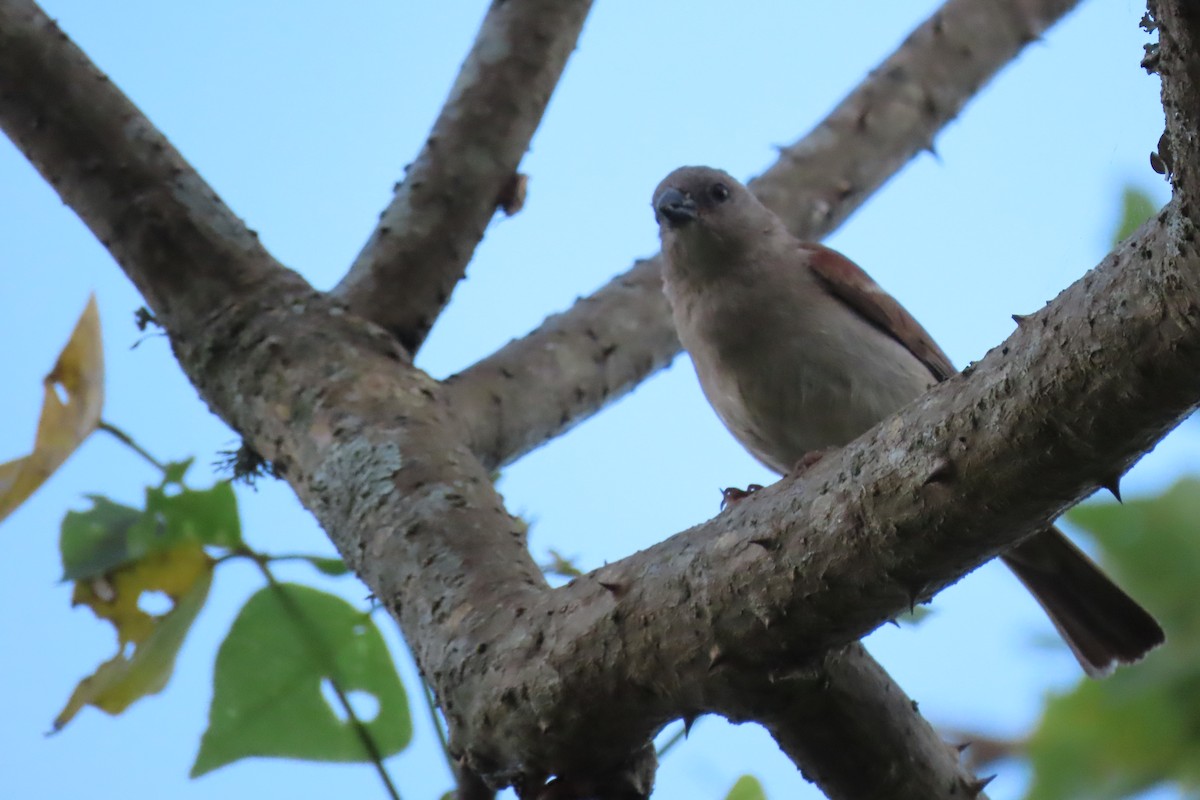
(66,421)
(183,574)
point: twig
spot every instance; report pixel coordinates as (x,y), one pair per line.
(125,439)
(420,248)
(431,704)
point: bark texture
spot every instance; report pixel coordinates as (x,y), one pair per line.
(896,753)
(419,250)
(753,615)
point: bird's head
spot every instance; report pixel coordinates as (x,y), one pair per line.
(705,216)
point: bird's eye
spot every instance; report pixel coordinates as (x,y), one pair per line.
(719,192)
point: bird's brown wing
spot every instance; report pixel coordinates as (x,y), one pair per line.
(1103,625)
(849,283)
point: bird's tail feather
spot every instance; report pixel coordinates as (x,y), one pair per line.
(1102,625)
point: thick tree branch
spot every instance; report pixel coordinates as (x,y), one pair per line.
(214,321)
(1074,396)
(420,248)
(119,174)
(1179,64)
(836,720)
(1077,393)
(371,447)
(537,387)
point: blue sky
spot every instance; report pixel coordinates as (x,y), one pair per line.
(302,117)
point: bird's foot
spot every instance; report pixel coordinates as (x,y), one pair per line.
(732,495)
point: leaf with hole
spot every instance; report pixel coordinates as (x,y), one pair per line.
(67,419)
(288,648)
(147,642)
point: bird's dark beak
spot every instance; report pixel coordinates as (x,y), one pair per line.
(675,207)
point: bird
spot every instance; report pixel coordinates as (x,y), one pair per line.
(799,351)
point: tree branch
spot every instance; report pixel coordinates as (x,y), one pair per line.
(120,175)
(536,388)
(371,447)
(1079,391)
(1074,396)
(1179,65)
(849,715)
(419,250)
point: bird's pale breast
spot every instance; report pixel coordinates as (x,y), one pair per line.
(788,378)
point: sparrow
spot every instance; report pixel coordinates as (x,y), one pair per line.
(799,351)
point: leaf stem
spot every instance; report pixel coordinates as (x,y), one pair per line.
(127,440)
(431,704)
(308,633)
(437,725)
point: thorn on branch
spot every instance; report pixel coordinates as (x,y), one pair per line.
(768,542)
(942,472)
(764,618)
(1156,163)
(976,787)
(512,194)
(1150,60)
(1021,319)
(716,657)
(860,122)
(1113,485)
(1160,160)
(614,588)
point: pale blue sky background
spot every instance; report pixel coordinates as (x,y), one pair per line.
(302,116)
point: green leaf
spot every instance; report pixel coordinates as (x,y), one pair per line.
(915,615)
(208,516)
(96,541)
(330,566)
(1140,727)
(1136,208)
(267,698)
(109,535)
(175,471)
(1151,546)
(561,565)
(747,787)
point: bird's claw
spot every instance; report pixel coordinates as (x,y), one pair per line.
(732,495)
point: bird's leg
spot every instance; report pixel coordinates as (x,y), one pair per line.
(732,495)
